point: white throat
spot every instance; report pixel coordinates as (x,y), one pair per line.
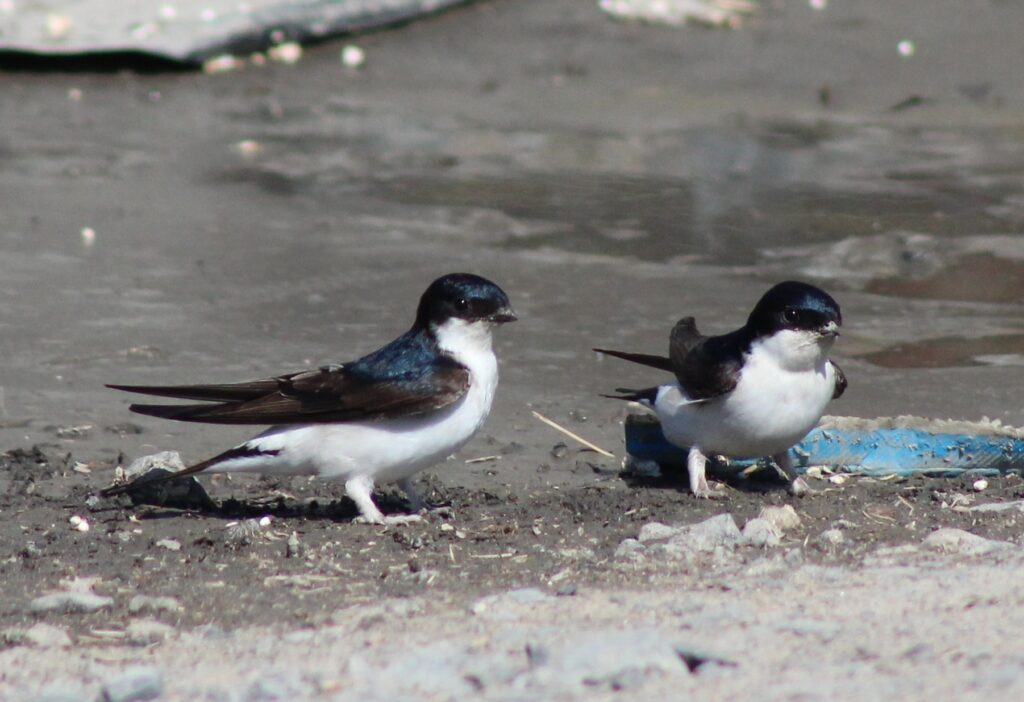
(464,340)
(469,343)
(794,350)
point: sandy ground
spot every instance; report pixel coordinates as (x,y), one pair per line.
(612,178)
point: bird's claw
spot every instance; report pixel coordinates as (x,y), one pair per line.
(709,491)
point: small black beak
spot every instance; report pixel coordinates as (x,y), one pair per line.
(830,329)
(503,316)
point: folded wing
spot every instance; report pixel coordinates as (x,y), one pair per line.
(329,394)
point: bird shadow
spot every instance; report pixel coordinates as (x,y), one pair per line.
(761,479)
(173,497)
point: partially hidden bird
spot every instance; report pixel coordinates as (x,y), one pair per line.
(753,392)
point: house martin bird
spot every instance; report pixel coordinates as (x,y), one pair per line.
(753,392)
(381,418)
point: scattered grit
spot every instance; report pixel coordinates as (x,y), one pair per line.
(617,588)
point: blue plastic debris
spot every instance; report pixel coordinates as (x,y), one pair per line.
(883,446)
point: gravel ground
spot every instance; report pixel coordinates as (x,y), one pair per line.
(904,588)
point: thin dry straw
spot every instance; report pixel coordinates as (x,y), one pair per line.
(574,437)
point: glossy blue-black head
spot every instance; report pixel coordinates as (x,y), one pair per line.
(796,306)
(464,296)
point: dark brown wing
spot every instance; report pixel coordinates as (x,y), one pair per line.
(683,338)
(841,382)
(705,367)
(712,365)
(329,394)
(645,359)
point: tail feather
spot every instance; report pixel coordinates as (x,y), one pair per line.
(646,396)
(188,413)
(645,359)
(231,392)
(115,490)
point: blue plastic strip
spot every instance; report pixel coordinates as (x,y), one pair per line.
(902,451)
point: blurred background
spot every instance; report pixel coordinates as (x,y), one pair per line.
(182,200)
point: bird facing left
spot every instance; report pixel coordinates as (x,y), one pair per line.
(381,418)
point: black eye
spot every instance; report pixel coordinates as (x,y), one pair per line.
(462,304)
(791,315)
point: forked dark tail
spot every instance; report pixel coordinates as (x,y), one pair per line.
(646,396)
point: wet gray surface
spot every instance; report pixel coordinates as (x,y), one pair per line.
(611,181)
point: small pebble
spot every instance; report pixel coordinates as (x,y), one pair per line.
(44,635)
(980,485)
(144,632)
(146,603)
(265,521)
(293,549)
(783,518)
(289,52)
(248,148)
(656,531)
(352,56)
(88,236)
(135,684)
(60,693)
(761,533)
(833,537)
(906,48)
(222,64)
(837,479)
(559,450)
(71,601)
(169,544)
(950,540)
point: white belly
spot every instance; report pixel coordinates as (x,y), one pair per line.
(383,451)
(769,410)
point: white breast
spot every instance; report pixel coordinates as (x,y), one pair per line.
(780,396)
